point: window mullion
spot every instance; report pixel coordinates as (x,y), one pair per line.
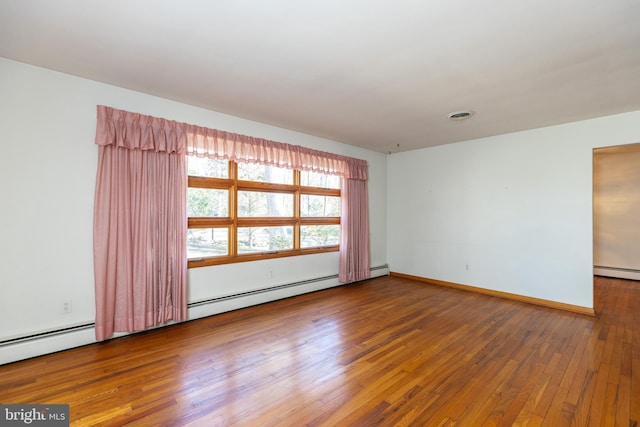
(206,182)
(265,187)
(296,210)
(233,209)
(320,191)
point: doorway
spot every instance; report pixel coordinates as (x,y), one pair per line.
(616,211)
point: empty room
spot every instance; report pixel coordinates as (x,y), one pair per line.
(286,213)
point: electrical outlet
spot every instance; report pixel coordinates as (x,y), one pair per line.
(467,267)
(67,306)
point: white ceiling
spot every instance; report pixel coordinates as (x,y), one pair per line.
(371,73)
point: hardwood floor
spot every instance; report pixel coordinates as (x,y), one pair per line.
(388,351)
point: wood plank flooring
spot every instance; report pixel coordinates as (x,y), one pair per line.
(384,352)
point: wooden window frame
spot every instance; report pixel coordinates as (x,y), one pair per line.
(233,222)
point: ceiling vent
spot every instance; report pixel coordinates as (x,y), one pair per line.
(461,115)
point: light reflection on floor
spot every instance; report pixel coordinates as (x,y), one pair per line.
(305,365)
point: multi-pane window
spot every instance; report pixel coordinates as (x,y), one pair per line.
(245,211)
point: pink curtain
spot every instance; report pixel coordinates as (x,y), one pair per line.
(354,236)
(140,223)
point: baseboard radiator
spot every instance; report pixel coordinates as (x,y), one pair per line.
(618,272)
(50,341)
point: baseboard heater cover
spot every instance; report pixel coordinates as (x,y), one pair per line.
(47,334)
(627,270)
(273,288)
(259,291)
(84,326)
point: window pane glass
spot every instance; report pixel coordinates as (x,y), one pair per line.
(207,202)
(313,236)
(207,242)
(319,206)
(264,173)
(314,179)
(264,239)
(258,203)
(212,168)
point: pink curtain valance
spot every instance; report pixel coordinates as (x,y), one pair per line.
(136,131)
(242,148)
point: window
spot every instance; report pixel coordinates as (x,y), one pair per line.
(244,211)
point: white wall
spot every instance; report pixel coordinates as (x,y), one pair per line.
(47,169)
(516,209)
